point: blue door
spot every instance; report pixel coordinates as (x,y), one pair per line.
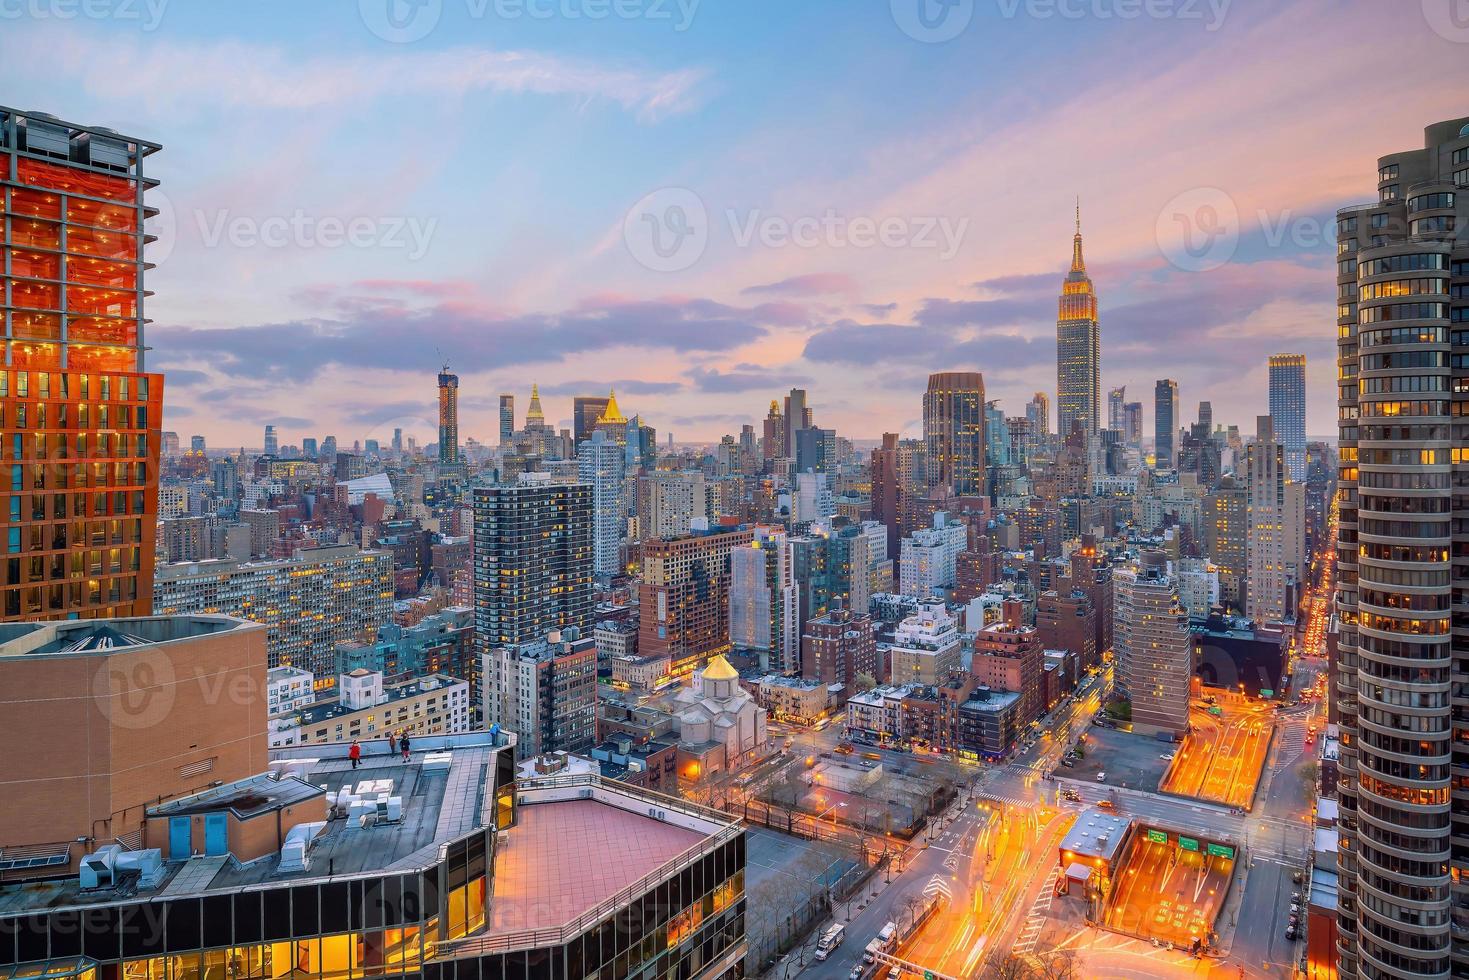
(216,834)
(180,843)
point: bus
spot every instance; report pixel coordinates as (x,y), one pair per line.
(830,940)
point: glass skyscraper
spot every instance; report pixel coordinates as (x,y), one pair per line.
(1288,410)
(80,421)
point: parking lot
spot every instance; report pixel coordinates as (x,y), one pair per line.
(1130,761)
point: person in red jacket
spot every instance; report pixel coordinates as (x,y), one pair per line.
(355,753)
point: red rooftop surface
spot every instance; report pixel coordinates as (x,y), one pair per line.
(561,859)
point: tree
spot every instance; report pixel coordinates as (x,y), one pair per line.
(864,682)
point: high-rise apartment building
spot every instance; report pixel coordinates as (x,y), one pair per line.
(507,420)
(602,466)
(928,559)
(839,647)
(954,431)
(797,416)
(1038,412)
(773,433)
(1275,536)
(450,462)
(1132,424)
(1165,423)
(79,417)
(585,411)
(532,561)
(683,597)
(764,607)
(1116,402)
(1288,410)
(1402,277)
(272,445)
(670,502)
(1226,524)
(927,647)
(1078,349)
(888,490)
(1155,653)
(544,691)
(308,603)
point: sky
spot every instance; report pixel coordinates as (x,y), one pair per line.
(704,203)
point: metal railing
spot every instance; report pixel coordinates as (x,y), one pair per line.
(602,911)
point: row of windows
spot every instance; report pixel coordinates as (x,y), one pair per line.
(1391,336)
(1404,311)
(1432,225)
(1403,287)
(1431,202)
(67,385)
(1412,262)
(1405,384)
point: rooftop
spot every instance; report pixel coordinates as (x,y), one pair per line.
(92,637)
(1096,835)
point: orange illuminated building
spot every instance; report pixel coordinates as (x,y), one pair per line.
(79,420)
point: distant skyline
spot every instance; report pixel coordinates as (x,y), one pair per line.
(344,213)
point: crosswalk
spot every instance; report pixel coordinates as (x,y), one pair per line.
(1035,919)
(1291,742)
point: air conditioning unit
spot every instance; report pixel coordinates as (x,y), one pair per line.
(98,869)
(148,863)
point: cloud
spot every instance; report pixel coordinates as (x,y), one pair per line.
(174,378)
(880,311)
(626,386)
(475,339)
(229,74)
(812,284)
(743,377)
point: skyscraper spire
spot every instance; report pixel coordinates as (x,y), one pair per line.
(1078,264)
(534,413)
(611,413)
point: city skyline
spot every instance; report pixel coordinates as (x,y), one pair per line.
(541,286)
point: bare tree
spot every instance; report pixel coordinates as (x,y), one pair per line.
(1011,967)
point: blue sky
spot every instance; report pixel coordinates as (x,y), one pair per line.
(345,203)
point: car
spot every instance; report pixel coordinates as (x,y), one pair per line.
(1068,762)
(1106,805)
(894,973)
(856,973)
(1070,794)
(1293,920)
(1291,932)
(1167,756)
(1101,777)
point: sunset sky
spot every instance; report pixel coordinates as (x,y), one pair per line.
(347,205)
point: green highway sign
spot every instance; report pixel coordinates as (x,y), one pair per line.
(1157,837)
(1188,843)
(1221,850)
(927,975)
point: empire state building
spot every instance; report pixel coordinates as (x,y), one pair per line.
(1078,348)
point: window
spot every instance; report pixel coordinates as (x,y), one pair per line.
(1389,192)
